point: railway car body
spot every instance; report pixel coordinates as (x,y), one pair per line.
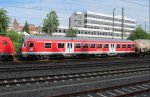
(142,46)
(6,48)
(62,46)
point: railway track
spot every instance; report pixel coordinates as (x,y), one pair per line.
(36,62)
(70,65)
(124,90)
(71,76)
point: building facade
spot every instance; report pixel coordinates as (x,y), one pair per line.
(91,24)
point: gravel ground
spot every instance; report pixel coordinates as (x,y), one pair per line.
(58,88)
(62,71)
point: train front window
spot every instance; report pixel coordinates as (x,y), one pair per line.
(4,42)
(31,44)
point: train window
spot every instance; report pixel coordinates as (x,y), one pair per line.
(47,45)
(31,44)
(99,45)
(60,45)
(123,46)
(24,44)
(85,45)
(4,42)
(132,45)
(129,45)
(118,45)
(105,45)
(92,45)
(78,45)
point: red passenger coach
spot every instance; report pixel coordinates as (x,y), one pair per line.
(62,46)
(6,48)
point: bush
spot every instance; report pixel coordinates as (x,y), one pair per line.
(16,39)
(17,46)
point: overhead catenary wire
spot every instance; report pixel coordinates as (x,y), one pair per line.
(67,11)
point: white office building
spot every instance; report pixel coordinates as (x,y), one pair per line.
(91,24)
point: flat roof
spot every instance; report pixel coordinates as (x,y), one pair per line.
(74,38)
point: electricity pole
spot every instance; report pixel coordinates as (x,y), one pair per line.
(145,26)
(113,23)
(122,23)
(149,16)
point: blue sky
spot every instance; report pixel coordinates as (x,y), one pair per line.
(34,11)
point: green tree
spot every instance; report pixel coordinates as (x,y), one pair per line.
(4,21)
(50,22)
(72,32)
(138,33)
(16,39)
(26,28)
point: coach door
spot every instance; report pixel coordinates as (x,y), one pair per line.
(69,48)
(112,48)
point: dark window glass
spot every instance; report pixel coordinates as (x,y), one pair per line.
(129,45)
(31,44)
(123,46)
(4,42)
(47,45)
(105,45)
(99,45)
(85,45)
(92,46)
(132,45)
(78,45)
(60,45)
(118,45)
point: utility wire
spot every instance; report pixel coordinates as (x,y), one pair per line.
(135,3)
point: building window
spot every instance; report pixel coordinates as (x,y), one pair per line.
(60,45)
(60,31)
(47,45)
(99,45)
(85,45)
(78,45)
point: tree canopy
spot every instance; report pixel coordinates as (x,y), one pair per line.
(16,39)
(50,22)
(26,28)
(72,32)
(4,20)
(139,33)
